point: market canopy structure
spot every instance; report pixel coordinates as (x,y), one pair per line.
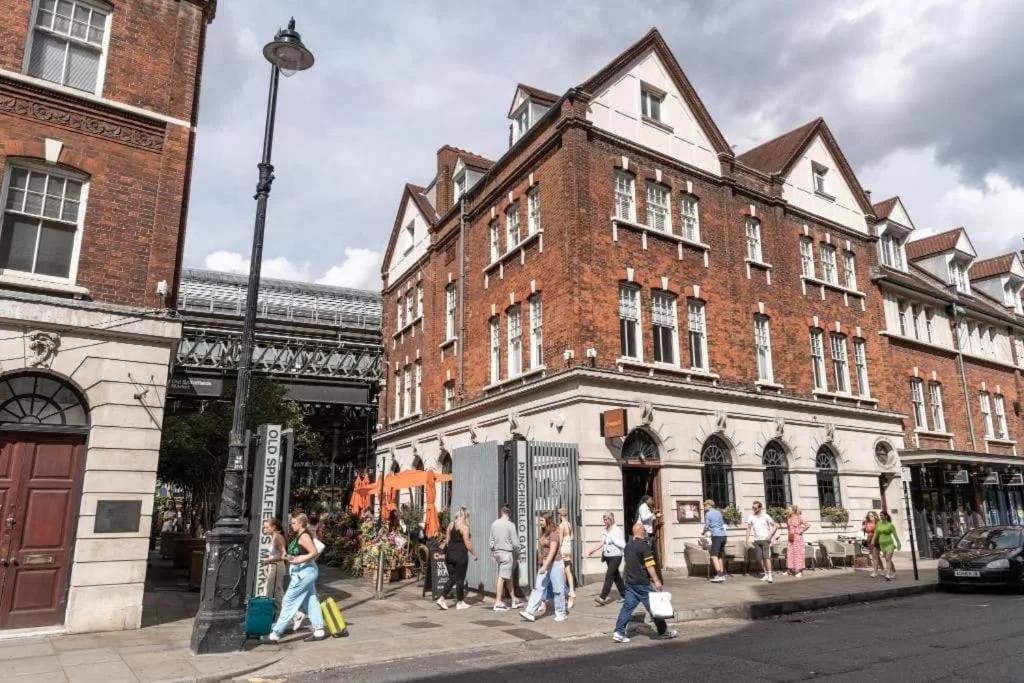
(395,482)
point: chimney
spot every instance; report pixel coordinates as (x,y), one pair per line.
(447,157)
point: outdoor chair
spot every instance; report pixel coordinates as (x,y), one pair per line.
(737,550)
(814,555)
(696,555)
(779,550)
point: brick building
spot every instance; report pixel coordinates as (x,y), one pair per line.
(619,255)
(98,106)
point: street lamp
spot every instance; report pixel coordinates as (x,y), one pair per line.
(219,624)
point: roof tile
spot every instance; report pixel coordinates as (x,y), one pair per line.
(775,155)
(934,244)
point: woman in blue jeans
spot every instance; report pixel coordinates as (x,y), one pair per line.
(550,573)
(300,555)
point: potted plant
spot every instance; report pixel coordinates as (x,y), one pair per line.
(777,514)
(732,516)
(837,514)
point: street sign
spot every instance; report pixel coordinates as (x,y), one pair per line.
(266,492)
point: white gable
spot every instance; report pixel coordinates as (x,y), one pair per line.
(410,245)
(899,215)
(840,205)
(963,245)
(616,109)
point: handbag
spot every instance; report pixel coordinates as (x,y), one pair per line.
(319,545)
(661,605)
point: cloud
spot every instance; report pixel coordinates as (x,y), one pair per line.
(277,267)
(360,269)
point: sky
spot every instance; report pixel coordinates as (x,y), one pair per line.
(924,97)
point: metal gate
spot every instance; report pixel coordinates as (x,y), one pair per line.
(476,485)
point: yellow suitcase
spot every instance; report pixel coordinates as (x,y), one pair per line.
(333,619)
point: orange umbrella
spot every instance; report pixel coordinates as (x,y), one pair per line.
(360,498)
(431,524)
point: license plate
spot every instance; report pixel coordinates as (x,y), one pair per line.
(967,574)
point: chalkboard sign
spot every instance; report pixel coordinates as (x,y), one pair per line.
(437,576)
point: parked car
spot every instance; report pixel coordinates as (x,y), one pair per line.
(986,556)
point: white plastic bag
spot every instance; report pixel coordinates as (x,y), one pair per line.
(661,605)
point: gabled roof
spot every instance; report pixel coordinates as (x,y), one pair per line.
(883,208)
(935,244)
(777,156)
(653,40)
(996,266)
(542,96)
(471,160)
(419,195)
(416,194)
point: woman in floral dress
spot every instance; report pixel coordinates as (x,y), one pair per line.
(796,549)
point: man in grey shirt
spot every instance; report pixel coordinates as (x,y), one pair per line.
(504,546)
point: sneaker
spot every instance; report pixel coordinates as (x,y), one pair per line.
(619,638)
(561,617)
(297,623)
(770,579)
(764,577)
(315,636)
(542,608)
(621,600)
(798,574)
(527,616)
(571,601)
(270,638)
(442,603)
(601,602)
(461,605)
(873,574)
(500,607)
(516,604)
(718,579)
(668,635)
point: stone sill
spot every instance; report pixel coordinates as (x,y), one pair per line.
(407,327)
(665,367)
(825,195)
(912,340)
(846,398)
(407,418)
(447,342)
(757,264)
(41,284)
(1000,442)
(761,384)
(937,435)
(523,243)
(986,359)
(620,222)
(539,370)
(835,286)
(655,123)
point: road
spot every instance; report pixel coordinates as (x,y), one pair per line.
(935,637)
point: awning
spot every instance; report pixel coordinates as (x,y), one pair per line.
(930,457)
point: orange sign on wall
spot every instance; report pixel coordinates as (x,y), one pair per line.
(614,423)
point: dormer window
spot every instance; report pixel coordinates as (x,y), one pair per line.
(892,250)
(650,103)
(958,277)
(460,185)
(819,174)
(521,121)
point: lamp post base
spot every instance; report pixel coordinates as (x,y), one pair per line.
(219,625)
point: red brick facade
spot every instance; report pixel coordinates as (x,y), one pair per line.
(137,158)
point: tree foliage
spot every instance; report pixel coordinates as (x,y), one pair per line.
(194,447)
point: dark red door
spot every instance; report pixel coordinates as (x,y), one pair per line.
(40,481)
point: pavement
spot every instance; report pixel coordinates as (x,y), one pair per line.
(404,626)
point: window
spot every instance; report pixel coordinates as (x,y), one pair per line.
(522,121)
(449,395)
(754,240)
(512,226)
(819,172)
(691,218)
(828,478)
(1001,429)
(938,416)
(776,476)
(449,311)
(763,349)
(696,324)
(629,322)
(828,264)
(494,234)
(410,236)
(639,447)
(533,211)
(460,186)
(624,209)
(650,103)
(536,332)
(42,222)
(515,342)
(398,315)
(418,403)
(892,251)
(818,360)
(958,277)
(902,312)
(407,385)
(664,327)
(986,414)
(860,357)
(850,269)
(716,473)
(419,301)
(658,216)
(840,366)
(68,44)
(495,334)
(410,304)
(398,394)
(915,320)
(806,257)
(929,323)
(917,400)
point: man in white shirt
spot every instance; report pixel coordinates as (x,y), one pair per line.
(763,527)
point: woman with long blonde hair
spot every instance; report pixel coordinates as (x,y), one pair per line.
(458,547)
(566,533)
(868,527)
(300,556)
(796,546)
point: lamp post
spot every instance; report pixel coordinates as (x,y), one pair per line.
(219,624)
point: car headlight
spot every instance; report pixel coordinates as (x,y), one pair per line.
(943,563)
(998,564)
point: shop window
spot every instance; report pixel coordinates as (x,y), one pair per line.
(776,476)
(716,473)
(828,478)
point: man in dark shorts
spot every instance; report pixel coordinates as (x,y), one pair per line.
(641,573)
(714,524)
(763,527)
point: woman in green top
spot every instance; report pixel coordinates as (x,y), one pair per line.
(300,556)
(888,542)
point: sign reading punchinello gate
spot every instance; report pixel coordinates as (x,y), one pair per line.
(266,490)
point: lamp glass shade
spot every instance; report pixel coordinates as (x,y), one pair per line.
(288,53)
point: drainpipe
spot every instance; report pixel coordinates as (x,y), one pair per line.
(958,315)
(461,343)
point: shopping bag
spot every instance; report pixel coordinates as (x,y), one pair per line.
(661,605)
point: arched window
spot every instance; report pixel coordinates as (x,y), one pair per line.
(639,446)
(417,493)
(828,478)
(36,399)
(717,472)
(776,476)
(446,488)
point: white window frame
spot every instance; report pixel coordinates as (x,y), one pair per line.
(1002,429)
(648,97)
(840,363)
(460,185)
(407,391)
(624,196)
(985,401)
(958,276)
(690,216)
(929,323)
(399,317)
(449,395)
(935,403)
(902,311)
(533,211)
(755,251)
(850,269)
(521,121)
(860,358)
(819,178)
(450,303)
(494,228)
(630,319)
(83,202)
(664,314)
(398,394)
(515,341)
(494,327)
(697,333)
(536,332)
(829,267)
(418,399)
(917,401)
(915,320)
(807,257)
(659,206)
(763,348)
(818,373)
(419,301)
(101,68)
(410,307)
(512,227)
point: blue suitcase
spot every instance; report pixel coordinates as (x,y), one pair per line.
(259,616)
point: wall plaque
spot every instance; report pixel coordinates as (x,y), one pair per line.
(614,423)
(117,516)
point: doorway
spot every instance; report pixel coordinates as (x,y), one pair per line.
(639,481)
